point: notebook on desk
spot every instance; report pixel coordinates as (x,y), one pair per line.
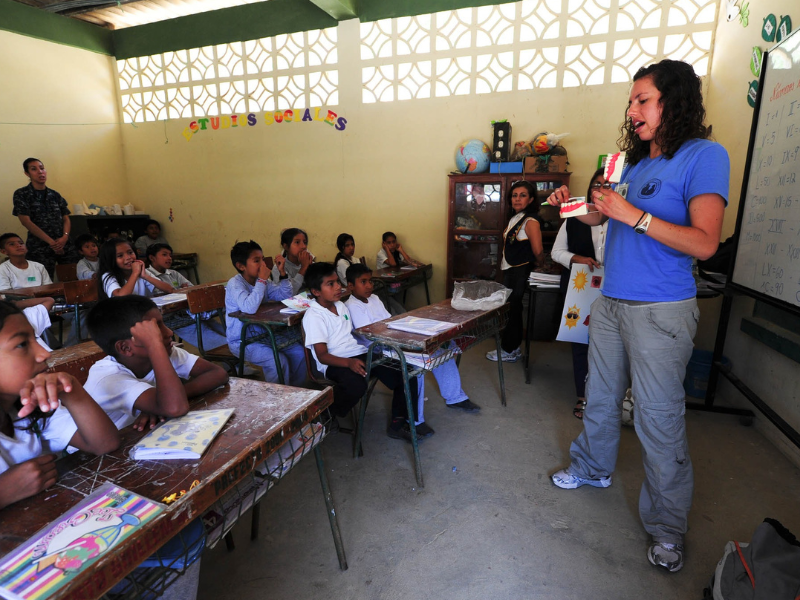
(186,437)
(74,543)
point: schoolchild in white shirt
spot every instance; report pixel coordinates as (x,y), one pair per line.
(40,413)
(121,273)
(294,242)
(183,323)
(328,330)
(366,308)
(143,373)
(88,249)
(17,271)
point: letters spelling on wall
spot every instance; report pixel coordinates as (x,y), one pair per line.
(268,118)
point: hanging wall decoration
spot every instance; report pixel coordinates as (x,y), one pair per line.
(752,93)
(278,117)
(784,28)
(768,28)
(756,60)
(733,11)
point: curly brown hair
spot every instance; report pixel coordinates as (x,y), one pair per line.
(682,111)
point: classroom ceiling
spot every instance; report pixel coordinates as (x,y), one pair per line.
(119,14)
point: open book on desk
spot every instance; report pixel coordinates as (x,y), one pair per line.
(186,437)
(420,325)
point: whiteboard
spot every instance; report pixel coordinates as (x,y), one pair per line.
(768,250)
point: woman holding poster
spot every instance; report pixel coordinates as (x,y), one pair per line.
(579,243)
(667,208)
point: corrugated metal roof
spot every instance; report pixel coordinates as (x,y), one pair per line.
(129,13)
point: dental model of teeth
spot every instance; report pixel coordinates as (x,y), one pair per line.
(613,168)
(574,207)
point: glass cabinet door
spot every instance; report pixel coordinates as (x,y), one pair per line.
(478,206)
(475,256)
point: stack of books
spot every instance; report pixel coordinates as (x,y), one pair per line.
(546,280)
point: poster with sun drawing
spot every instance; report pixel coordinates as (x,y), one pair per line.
(73,543)
(583,288)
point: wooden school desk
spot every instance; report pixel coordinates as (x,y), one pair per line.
(266,416)
(406,278)
(78,295)
(51,290)
(280,329)
(75,360)
(181,303)
(469,328)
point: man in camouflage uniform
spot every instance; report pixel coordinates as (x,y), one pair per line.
(44,213)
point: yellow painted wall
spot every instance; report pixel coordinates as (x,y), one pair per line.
(59,104)
(387,170)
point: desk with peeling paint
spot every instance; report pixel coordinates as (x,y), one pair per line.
(266,415)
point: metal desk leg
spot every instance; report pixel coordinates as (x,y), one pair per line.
(529,331)
(411,425)
(334,521)
(500,367)
(357,449)
(427,293)
(277,356)
(242,346)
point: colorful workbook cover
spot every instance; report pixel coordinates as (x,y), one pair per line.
(73,543)
(186,437)
(420,325)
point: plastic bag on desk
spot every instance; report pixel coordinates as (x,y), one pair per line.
(479,295)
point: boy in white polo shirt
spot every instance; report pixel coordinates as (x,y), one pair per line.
(366,308)
(143,372)
(17,271)
(329,334)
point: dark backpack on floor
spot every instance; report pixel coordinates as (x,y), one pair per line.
(768,568)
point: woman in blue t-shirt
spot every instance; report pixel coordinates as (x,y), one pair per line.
(667,209)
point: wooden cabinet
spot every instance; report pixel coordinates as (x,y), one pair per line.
(478,214)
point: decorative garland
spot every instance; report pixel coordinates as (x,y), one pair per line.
(289,115)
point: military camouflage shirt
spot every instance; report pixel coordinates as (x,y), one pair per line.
(46,208)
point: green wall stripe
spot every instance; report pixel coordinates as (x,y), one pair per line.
(247,22)
(374,10)
(40,24)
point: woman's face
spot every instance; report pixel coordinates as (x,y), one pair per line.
(349,248)
(596,184)
(644,108)
(520,198)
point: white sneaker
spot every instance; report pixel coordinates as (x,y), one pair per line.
(567,481)
(507,356)
(628,404)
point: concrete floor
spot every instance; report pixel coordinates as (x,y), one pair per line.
(489,524)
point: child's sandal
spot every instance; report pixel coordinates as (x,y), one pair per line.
(580,406)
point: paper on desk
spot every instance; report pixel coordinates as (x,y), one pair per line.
(420,325)
(289,311)
(74,542)
(168,298)
(408,268)
(300,302)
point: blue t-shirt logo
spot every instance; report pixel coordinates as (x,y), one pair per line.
(650,188)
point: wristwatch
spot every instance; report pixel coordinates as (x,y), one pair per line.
(643,224)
